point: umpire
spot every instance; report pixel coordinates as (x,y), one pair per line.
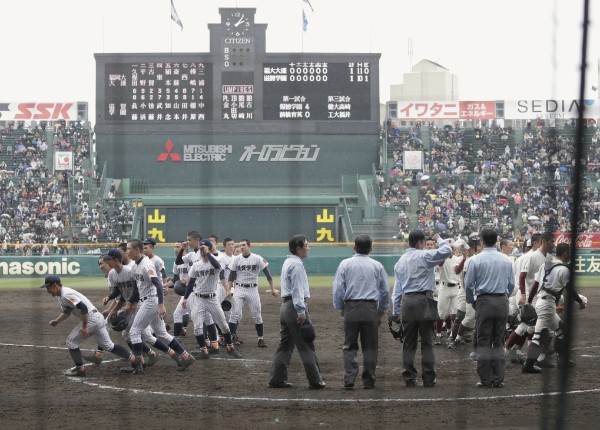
(296,329)
(489,282)
(361,291)
(413,290)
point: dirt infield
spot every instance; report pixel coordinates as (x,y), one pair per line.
(232,394)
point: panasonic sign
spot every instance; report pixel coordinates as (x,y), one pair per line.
(24,267)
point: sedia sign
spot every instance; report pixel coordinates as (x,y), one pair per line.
(16,267)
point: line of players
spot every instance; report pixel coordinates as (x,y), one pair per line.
(204,277)
(541,279)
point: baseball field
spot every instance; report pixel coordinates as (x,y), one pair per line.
(232,394)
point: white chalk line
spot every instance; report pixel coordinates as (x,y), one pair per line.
(305,400)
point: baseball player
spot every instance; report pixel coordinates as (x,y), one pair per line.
(552,279)
(448,292)
(125,260)
(121,282)
(462,248)
(244,270)
(204,277)
(92,323)
(208,325)
(148,292)
(467,324)
(158,262)
(529,270)
(180,272)
(513,354)
(224,258)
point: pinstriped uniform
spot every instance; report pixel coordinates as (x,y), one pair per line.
(247,270)
(182,271)
(124,282)
(190,259)
(147,312)
(205,292)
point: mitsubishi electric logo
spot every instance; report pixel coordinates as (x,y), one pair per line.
(165,155)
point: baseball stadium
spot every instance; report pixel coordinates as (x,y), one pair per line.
(249,148)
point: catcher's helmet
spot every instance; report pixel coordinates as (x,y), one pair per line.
(179,288)
(226,305)
(528,314)
(307,331)
(118,322)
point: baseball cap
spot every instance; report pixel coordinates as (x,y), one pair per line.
(450,241)
(50,279)
(207,243)
(461,244)
(150,241)
(112,253)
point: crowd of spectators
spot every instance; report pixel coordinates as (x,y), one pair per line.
(35,205)
(489,176)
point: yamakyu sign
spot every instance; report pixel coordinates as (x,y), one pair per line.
(584,240)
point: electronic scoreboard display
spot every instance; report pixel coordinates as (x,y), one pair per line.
(317,90)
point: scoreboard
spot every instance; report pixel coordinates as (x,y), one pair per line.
(164,89)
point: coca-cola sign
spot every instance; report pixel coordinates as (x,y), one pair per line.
(584,240)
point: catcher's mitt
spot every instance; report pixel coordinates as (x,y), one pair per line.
(399,333)
(118,322)
(528,315)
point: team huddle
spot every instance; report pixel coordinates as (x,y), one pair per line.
(464,287)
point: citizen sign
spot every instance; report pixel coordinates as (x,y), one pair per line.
(584,240)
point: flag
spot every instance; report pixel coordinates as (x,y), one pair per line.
(304,19)
(174,16)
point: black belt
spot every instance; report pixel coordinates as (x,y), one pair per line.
(451,285)
(206,296)
(246,285)
(491,294)
(147,297)
(416,292)
(288,298)
(360,300)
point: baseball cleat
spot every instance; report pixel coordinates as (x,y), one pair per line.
(76,371)
(234,353)
(212,350)
(151,360)
(97,361)
(187,363)
(262,343)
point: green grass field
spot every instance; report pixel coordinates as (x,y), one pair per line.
(83,282)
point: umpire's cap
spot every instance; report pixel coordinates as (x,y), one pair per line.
(307,331)
(50,279)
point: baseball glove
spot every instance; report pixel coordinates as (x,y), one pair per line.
(528,314)
(226,305)
(118,322)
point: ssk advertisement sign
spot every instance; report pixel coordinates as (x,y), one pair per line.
(52,111)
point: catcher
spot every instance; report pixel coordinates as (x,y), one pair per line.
(552,279)
(91,325)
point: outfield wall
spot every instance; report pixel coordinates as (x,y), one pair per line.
(322,260)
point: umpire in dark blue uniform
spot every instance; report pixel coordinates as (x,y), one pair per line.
(414,285)
(489,282)
(361,291)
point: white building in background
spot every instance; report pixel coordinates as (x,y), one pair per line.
(427,81)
